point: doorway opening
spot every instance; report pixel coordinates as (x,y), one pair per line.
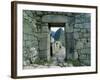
(57,39)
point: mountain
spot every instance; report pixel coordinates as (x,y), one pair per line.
(52,34)
(58,34)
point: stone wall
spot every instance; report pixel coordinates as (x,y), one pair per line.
(30,36)
(44,42)
(69,39)
(82,38)
(36,34)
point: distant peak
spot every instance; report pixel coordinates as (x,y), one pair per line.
(60,29)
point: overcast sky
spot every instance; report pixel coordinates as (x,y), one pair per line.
(56,28)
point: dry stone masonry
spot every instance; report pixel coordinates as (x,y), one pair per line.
(82,35)
(36,36)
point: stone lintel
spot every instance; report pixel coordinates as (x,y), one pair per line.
(54,19)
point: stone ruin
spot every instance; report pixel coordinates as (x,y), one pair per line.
(36,36)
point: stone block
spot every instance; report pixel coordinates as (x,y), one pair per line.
(76,35)
(83,30)
(39,13)
(28,43)
(87,35)
(27,28)
(54,18)
(75,55)
(88,45)
(77,15)
(83,40)
(81,18)
(80,35)
(78,20)
(25,37)
(68,28)
(43,55)
(76,29)
(82,57)
(43,44)
(86,62)
(79,45)
(87,25)
(85,51)
(45,29)
(43,35)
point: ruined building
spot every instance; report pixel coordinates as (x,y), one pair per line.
(36,34)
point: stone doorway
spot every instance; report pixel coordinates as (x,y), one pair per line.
(36,37)
(57,39)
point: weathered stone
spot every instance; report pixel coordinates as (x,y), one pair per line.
(77,16)
(87,25)
(39,13)
(78,51)
(28,43)
(83,40)
(76,35)
(54,19)
(42,44)
(76,29)
(27,28)
(42,35)
(82,57)
(79,26)
(83,30)
(79,45)
(26,62)
(42,55)
(88,45)
(80,35)
(33,54)
(25,15)
(87,35)
(86,51)
(38,18)
(75,55)
(45,29)
(78,20)
(34,24)
(36,33)
(68,28)
(86,62)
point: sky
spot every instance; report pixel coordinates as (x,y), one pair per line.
(56,28)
